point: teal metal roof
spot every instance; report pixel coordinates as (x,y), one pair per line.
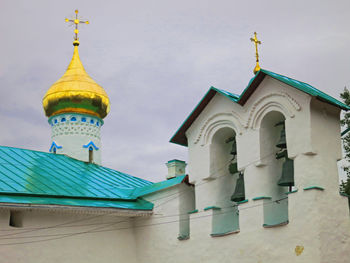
(47,177)
(39,178)
(180,138)
(302,86)
(148,189)
(231,96)
(138,204)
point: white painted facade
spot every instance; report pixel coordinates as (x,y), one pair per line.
(74,134)
(316,222)
(318,226)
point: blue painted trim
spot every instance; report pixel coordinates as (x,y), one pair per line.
(90,144)
(242,202)
(77,114)
(53,144)
(261,197)
(343,194)
(212,207)
(276,225)
(314,187)
(291,192)
(192,212)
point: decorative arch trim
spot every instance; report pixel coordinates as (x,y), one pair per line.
(219,120)
(54,145)
(91,144)
(269,102)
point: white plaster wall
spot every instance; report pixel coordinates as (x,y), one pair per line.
(73,135)
(104,246)
(318,220)
(156,237)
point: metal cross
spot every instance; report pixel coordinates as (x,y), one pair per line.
(76,21)
(256,42)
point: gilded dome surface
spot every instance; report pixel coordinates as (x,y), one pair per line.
(76,92)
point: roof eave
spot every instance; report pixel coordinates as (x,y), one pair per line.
(180,137)
(77,209)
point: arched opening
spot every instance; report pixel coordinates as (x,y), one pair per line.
(223,168)
(279,168)
(91,154)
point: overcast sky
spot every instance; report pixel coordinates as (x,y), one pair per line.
(156,59)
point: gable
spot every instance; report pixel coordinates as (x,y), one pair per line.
(180,135)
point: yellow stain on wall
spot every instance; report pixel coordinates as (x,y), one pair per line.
(298,250)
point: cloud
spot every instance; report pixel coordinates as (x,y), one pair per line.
(156,59)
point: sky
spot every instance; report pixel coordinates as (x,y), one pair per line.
(156,59)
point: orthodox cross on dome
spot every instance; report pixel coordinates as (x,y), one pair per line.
(76,22)
(256,42)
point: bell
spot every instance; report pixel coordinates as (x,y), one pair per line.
(233,168)
(234,147)
(287,178)
(282,141)
(239,194)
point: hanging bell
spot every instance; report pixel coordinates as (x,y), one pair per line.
(233,168)
(234,147)
(287,178)
(239,194)
(282,141)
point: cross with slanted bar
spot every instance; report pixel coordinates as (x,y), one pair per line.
(76,21)
(256,42)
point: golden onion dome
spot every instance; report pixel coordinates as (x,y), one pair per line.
(76,92)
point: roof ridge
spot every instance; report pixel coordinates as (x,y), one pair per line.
(180,138)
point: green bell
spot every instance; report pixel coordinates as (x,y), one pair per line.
(282,141)
(234,147)
(239,193)
(282,144)
(233,168)
(287,178)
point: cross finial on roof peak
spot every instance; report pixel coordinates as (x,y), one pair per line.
(256,42)
(76,22)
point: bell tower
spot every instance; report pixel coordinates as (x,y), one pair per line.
(75,106)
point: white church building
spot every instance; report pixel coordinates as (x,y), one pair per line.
(261,183)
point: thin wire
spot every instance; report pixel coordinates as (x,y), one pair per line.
(118,187)
(177,195)
(99,229)
(89,218)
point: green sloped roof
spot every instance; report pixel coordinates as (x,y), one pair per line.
(138,204)
(39,178)
(180,137)
(148,189)
(231,96)
(32,174)
(302,86)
